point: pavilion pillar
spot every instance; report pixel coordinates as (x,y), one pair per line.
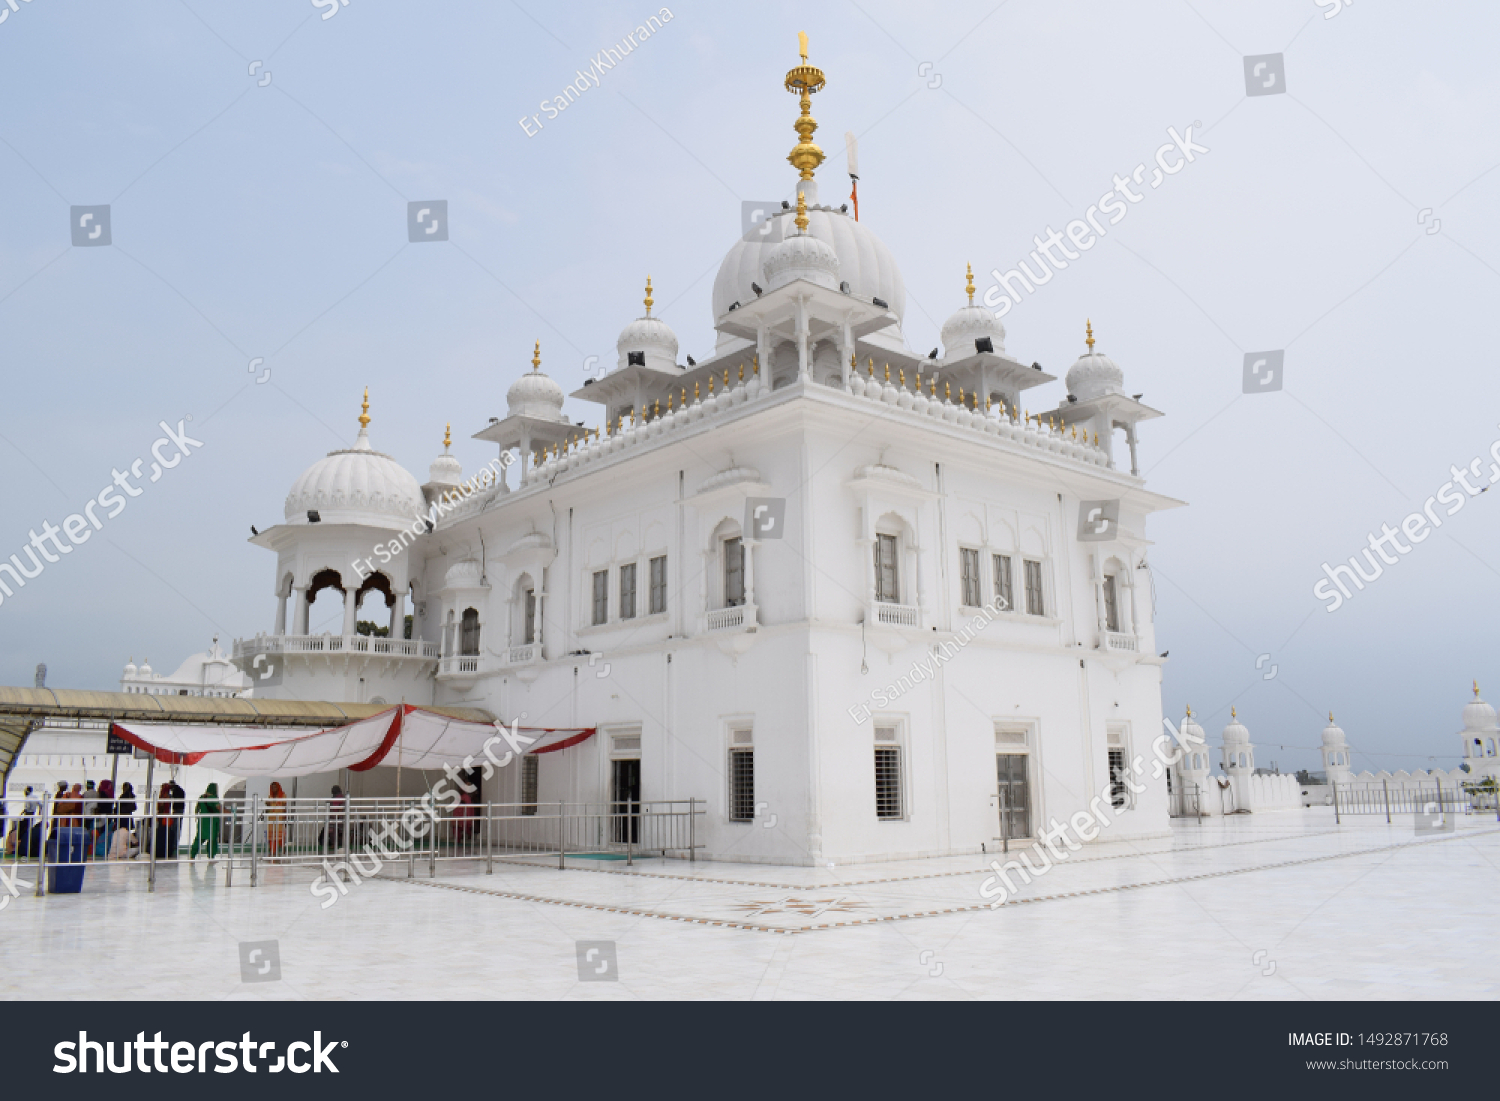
(398,616)
(300,609)
(802,348)
(351,610)
(281,599)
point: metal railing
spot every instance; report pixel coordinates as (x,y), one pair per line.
(1408,797)
(319,644)
(245,837)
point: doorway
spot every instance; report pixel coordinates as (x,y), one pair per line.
(625,800)
(1015,795)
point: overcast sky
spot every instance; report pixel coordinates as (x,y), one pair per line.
(1345,217)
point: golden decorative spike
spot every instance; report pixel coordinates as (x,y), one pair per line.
(649,300)
(1330,717)
(960,395)
(448,435)
(986,403)
(803,81)
(754,361)
(1075,432)
(632,416)
(932,388)
(669,401)
(684,397)
(948,391)
(888,374)
(710,385)
(801,219)
(726,378)
(970,287)
(364,410)
(853,362)
(697,395)
(1476,689)
(902,374)
(658,407)
(1190,711)
(742,372)
(1089,327)
(871,362)
(536,357)
(1096,439)
(1233,714)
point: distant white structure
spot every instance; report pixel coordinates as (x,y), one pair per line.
(1480,737)
(1336,765)
(210,673)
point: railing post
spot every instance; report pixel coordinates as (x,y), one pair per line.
(1386,786)
(432,852)
(1336,819)
(229,847)
(151,794)
(630,822)
(489,839)
(693,830)
(561,843)
(344,839)
(41,855)
(254,835)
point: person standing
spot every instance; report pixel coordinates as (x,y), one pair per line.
(275,819)
(125,821)
(178,804)
(209,815)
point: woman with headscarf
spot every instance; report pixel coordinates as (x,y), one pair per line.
(166,825)
(104,822)
(275,819)
(68,831)
(119,846)
(209,815)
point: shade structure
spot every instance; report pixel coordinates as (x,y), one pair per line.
(404,736)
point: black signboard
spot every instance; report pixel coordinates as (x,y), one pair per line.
(118,744)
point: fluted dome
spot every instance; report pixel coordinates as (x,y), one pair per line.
(145,669)
(801,256)
(1332,734)
(446,470)
(1093,375)
(652,337)
(535,395)
(357,485)
(463,574)
(861,259)
(1236,733)
(1478,715)
(968,324)
(1192,733)
(130,669)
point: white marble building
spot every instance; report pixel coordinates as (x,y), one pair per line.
(209,673)
(620,578)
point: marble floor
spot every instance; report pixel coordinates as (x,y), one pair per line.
(1275,906)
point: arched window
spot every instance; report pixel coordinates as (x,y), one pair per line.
(468,644)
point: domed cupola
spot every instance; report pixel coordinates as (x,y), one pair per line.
(446,470)
(801,256)
(1478,715)
(964,332)
(1194,757)
(1481,738)
(130,669)
(1238,753)
(1094,374)
(357,485)
(534,394)
(650,340)
(1336,764)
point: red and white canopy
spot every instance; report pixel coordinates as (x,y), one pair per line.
(405,736)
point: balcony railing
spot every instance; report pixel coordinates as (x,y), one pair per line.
(335,644)
(458,663)
(1114,640)
(897,615)
(520,655)
(729,619)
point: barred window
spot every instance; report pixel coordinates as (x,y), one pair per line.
(1002,583)
(627,591)
(1034,603)
(968,569)
(529,767)
(658,585)
(1111,604)
(468,636)
(887,580)
(530,617)
(734,572)
(601,597)
(741,784)
(1116,778)
(888,801)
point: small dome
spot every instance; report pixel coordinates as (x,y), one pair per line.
(1094,374)
(130,669)
(1192,733)
(534,394)
(357,485)
(445,469)
(463,574)
(145,669)
(1236,733)
(801,256)
(967,325)
(650,337)
(1478,715)
(1333,735)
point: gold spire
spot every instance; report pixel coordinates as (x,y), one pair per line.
(948,391)
(447,435)
(649,300)
(364,411)
(1233,714)
(1190,710)
(902,373)
(1090,341)
(803,81)
(887,374)
(536,357)
(801,219)
(697,394)
(742,370)
(726,378)
(754,362)
(970,287)
(658,407)
(1330,717)
(1476,689)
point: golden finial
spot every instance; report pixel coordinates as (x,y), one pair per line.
(986,403)
(448,436)
(658,407)
(960,395)
(726,378)
(1476,689)
(1075,433)
(801,218)
(871,362)
(1190,710)
(754,362)
(803,81)
(684,397)
(887,374)
(1096,439)
(1330,717)
(948,391)
(632,416)
(670,396)
(649,300)
(710,384)
(853,362)
(1052,424)
(970,287)
(742,371)
(1089,327)
(364,411)
(902,374)
(1233,714)
(536,357)
(932,388)
(697,394)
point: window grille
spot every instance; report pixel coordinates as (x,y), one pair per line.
(887,580)
(530,617)
(1111,604)
(601,597)
(741,784)
(968,563)
(529,766)
(888,782)
(1034,603)
(1002,583)
(627,591)
(658,585)
(734,572)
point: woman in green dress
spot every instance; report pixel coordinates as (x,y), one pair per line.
(209,816)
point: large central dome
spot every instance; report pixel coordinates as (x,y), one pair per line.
(864,261)
(356,485)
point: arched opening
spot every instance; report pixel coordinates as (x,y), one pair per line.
(728,575)
(523,618)
(375,583)
(325,601)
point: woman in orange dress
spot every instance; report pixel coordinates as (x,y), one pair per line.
(276,819)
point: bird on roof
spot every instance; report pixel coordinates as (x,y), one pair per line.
(692,362)
(932,354)
(253,531)
(756,288)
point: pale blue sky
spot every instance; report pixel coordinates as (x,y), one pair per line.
(269,221)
